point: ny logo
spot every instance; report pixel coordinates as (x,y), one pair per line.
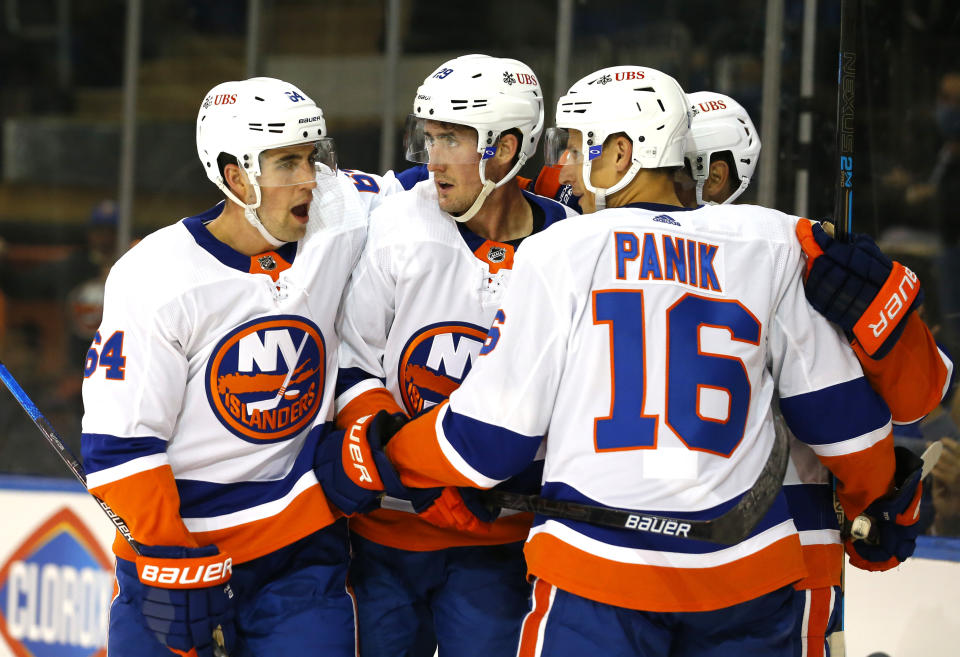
(294,96)
(442,73)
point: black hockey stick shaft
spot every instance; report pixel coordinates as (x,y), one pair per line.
(731,528)
(846,94)
(843,201)
(60,447)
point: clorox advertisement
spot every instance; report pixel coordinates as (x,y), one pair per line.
(56,571)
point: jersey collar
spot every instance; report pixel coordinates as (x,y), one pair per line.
(197,225)
(657,207)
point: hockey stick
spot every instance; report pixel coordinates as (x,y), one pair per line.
(846,92)
(730,528)
(843,209)
(41,422)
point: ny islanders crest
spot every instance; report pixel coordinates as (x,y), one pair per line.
(435,361)
(265,378)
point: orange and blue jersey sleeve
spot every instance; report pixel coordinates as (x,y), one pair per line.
(913,377)
(828,403)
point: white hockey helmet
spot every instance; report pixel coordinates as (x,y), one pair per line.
(719,123)
(244,118)
(646,104)
(489,94)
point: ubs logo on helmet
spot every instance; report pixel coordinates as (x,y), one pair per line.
(265,378)
(219,99)
(711,105)
(55,592)
(435,361)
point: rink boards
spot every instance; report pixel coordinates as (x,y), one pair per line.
(56,583)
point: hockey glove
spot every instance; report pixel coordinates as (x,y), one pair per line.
(854,285)
(895,518)
(187,600)
(459,508)
(352,468)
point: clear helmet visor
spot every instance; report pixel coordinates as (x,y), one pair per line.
(298,165)
(428,141)
(558,149)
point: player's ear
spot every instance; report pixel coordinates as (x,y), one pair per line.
(238,182)
(624,152)
(507,147)
(718,176)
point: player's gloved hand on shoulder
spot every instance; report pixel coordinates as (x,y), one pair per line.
(854,285)
(894,516)
(352,468)
(459,508)
(187,601)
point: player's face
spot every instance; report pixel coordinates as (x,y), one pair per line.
(571,172)
(287,179)
(454,162)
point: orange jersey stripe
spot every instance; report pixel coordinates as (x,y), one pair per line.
(406,531)
(149,503)
(824,564)
(912,376)
(530,632)
(417,457)
(368,403)
(662,588)
(309,512)
(815,625)
(862,476)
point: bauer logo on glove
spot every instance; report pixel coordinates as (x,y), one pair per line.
(173,574)
(357,452)
(855,285)
(886,310)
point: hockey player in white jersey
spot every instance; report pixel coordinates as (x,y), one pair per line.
(210,382)
(415,316)
(647,341)
(911,377)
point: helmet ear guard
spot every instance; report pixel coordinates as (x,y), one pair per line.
(719,123)
(489,94)
(645,104)
(246,118)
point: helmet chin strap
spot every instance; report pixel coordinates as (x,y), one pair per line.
(600,194)
(488,187)
(599,199)
(700,183)
(740,190)
(250,214)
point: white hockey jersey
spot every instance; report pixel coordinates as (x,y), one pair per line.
(646,343)
(414,318)
(215,366)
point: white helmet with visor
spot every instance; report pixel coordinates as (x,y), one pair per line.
(645,104)
(489,94)
(245,118)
